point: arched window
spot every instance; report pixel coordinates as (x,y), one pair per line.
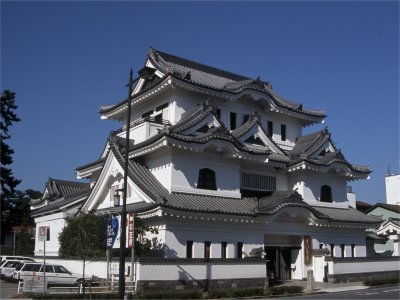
(206,179)
(326,193)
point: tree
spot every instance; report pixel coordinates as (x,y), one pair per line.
(8,117)
(84,236)
(8,182)
(24,242)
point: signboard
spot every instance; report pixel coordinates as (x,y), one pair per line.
(42,233)
(114,232)
(130,231)
(34,284)
(114,269)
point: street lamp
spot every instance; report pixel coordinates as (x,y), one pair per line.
(117,197)
(121,286)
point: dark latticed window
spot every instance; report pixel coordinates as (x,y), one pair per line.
(326,193)
(206,179)
(270,129)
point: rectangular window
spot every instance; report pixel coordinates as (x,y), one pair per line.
(258,182)
(161,107)
(48,234)
(189,249)
(353,250)
(246,118)
(147,114)
(342,249)
(332,249)
(270,129)
(239,250)
(233,120)
(224,246)
(321,246)
(207,249)
(283,132)
(218,113)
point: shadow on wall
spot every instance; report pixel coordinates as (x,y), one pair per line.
(161,250)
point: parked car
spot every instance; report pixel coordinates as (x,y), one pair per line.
(13,257)
(55,274)
(7,269)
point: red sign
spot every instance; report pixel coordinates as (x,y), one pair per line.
(131,226)
(42,233)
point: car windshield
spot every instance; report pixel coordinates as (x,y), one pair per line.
(61,269)
(31,267)
(11,264)
(19,266)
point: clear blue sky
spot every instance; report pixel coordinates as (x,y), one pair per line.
(65,60)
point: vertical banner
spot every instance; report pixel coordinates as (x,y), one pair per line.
(307,250)
(131,225)
(114,231)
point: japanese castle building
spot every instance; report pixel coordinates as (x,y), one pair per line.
(218,163)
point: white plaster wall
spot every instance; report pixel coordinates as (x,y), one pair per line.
(363,266)
(179,233)
(56,223)
(187,271)
(186,102)
(308,184)
(92,268)
(393,189)
(186,169)
(161,167)
(344,236)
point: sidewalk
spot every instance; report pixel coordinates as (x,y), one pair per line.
(327,287)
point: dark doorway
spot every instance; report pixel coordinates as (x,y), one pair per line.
(278,262)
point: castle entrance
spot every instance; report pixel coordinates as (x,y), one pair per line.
(283,256)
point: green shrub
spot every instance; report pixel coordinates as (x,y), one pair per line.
(381,281)
(175,295)
(279,290)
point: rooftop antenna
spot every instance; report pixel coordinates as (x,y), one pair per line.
(388,171)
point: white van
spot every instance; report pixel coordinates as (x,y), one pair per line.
(13,257)
(55,274)
(7,269)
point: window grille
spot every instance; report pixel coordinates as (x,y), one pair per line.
(258,182)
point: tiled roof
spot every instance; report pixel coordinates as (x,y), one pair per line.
(270,205)
(94,163)
(280,200)
(201,75)
(56,205)
(307,146)
(212,204)
(347,215)
(57,188)
(391,207)
(219,79)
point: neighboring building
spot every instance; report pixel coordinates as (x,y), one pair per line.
(390,213)
(392,189)
(61,199)
(219,165)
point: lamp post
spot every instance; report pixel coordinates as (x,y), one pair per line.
(121,286)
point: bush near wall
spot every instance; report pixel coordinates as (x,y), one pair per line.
(234,293)
(382,281)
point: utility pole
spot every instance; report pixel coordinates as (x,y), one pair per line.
(121,286)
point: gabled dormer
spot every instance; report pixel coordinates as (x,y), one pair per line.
(253,135)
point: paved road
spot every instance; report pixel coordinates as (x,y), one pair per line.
(391,292)
(7,289)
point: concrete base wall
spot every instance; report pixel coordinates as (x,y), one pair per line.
(362,276)
(171,286)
